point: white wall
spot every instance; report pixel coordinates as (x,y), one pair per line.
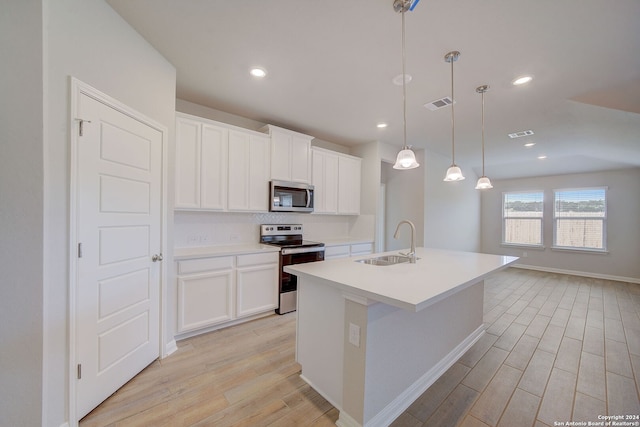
(44,42)
(623,225)
(451,209)
(21,213)
(404,200)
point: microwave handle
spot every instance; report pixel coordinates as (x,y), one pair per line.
(308,197)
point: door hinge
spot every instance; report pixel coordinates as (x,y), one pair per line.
(79,250)
(79,371)
(81,126)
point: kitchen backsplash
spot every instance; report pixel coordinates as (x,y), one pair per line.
(225,228)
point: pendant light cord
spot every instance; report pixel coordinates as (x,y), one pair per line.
(483,132)
(404,87)
(453,120)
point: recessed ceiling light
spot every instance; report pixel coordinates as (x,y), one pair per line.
(258,72)
(381,125)
(542,157)
(529,144)
(397,80)
(522,80)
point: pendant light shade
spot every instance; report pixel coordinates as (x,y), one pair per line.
(453,173)
(406,157)
(406,160)
(484,182)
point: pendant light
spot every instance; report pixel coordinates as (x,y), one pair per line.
(484,182)
(453,173)
(406,158)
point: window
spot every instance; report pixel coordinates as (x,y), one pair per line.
(579,218)
(522,218)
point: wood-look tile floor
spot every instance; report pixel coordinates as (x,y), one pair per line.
(558,348)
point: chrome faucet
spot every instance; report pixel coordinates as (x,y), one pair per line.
(412,254)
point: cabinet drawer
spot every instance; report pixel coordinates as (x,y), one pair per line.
(336,251)
(361,248)
(205,264)
(256,259)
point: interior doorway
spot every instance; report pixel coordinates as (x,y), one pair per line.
(116,246)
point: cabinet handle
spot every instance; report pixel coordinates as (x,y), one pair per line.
(156,257)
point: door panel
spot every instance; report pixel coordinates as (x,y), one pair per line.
(118,222)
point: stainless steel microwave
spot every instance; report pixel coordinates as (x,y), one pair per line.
(291,197)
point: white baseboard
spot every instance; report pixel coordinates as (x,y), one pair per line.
(346,421)
(578,273)
(170,348)
(398,405)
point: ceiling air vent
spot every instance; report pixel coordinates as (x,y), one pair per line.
(438,103)
(521,134)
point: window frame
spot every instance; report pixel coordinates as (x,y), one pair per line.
(603,218)
(540,218)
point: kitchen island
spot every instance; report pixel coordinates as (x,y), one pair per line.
(371,339)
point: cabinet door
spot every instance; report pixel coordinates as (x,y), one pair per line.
(281,155)
(187,163)
(239,170)
(325,180)
(205,299)
(290,156)
(361,249)
(256,289)
(301,159)
(259,172)
(349,185)
(213,175)
(249,160)
(333,252)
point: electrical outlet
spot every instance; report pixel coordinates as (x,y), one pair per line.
(524,254)
(193,239)
(205,238)
(354,334)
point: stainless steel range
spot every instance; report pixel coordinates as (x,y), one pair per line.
(293,250)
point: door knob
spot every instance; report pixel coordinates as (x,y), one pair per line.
(156,257)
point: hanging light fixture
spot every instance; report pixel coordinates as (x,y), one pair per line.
(406,157)
(453,173)
(483,182)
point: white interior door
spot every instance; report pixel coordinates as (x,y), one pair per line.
(118,225)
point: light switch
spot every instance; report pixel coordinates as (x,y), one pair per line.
(354,334)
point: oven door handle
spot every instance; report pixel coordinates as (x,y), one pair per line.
(292,251)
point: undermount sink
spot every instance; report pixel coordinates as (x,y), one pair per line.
(385,260)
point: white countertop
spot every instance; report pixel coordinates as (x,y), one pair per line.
(436,275)
(344,241)
(223,250)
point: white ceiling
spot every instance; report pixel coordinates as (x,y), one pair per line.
(330,64)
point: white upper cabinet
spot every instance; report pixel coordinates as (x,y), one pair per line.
(187,163)
(249,170)
(349,170)
(220,167)
(324,174)
(290,155)
(336,178)
(213,169)
(201,165)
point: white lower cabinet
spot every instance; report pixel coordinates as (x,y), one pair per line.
(333,252)
(345,251)
(217,290)
(205,292)
(256,283)
(361,249)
